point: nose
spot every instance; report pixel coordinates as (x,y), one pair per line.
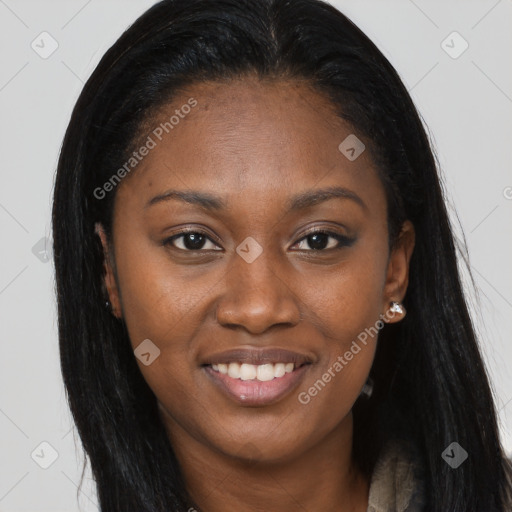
(257,297)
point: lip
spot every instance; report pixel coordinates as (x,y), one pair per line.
(258,356)
(254,392)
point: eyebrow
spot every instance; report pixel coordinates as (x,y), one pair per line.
(202,199)
(298,202)
(312,197)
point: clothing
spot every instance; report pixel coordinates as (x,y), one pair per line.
(396,484)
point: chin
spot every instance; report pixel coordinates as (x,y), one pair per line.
(270,446)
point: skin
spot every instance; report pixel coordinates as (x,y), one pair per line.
(256,144)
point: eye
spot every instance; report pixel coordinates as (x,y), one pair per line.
(318,240)
(191,241)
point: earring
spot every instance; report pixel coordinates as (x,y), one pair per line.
(397,307)
(367,390)
(107,305)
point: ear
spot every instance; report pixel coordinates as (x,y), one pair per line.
(397,277)
(109,278)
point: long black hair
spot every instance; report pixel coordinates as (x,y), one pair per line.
(430,384)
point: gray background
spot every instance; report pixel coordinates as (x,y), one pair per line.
(465,101)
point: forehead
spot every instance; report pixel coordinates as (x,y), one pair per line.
(249,138)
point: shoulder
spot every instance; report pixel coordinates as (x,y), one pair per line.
(397,483)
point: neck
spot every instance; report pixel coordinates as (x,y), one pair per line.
(324,477)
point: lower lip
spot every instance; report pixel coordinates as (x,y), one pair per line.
(255,392)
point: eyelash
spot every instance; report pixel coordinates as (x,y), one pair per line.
(343,241)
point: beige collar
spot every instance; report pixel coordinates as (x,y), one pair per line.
(395,485)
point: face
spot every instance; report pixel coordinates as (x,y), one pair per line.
(284,261)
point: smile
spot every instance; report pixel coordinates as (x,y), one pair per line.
(256,385)
(262,372)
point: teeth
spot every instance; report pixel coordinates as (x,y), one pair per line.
(248,371)
(280,369)
(234,370)
(265,372)
(262,372)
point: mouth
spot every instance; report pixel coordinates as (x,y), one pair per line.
(256,384)
(261,372)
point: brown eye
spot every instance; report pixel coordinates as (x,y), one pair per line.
(320,240)
(190,241)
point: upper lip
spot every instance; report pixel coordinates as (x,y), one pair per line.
(258,357)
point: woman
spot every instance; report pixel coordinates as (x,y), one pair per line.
(259,300)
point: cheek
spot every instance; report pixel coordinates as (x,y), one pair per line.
(350,332)
(347,308)
(346,300)
(166,305)
(160,301)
